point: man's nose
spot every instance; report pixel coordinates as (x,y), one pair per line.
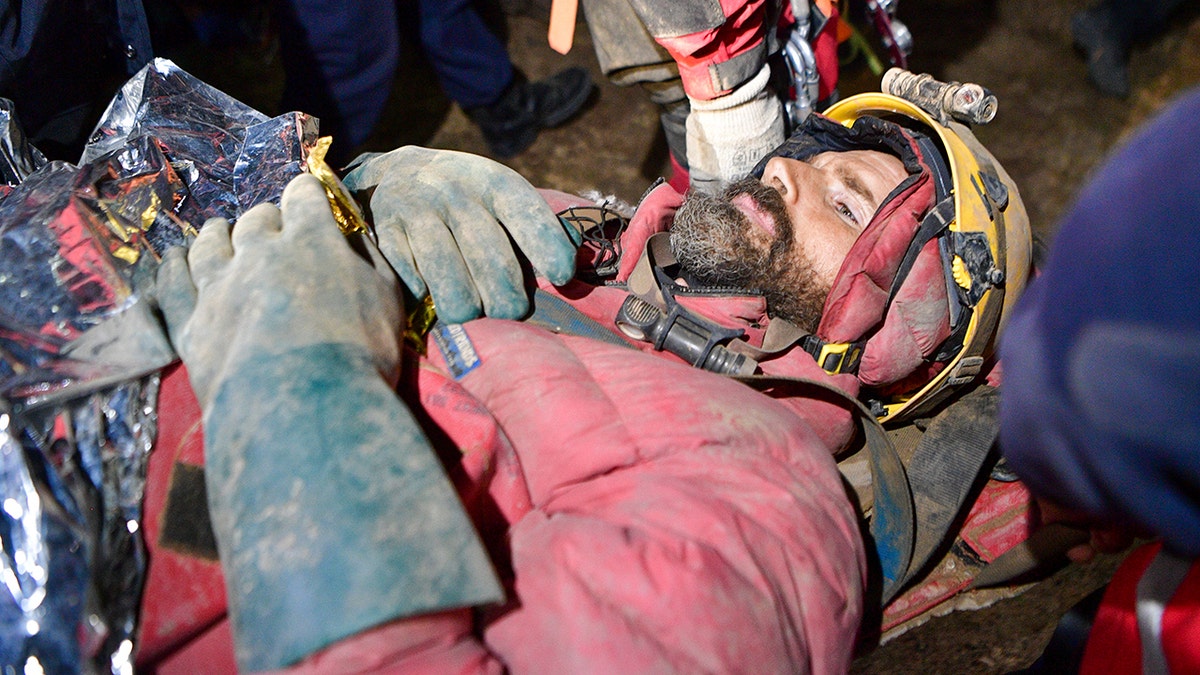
(789,177)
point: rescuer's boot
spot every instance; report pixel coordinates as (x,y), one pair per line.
(511,124)
(1105,49)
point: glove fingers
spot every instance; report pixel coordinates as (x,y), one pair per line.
(528,219)
(378,260)
(175,292)
(356,171)
(255,225)
(305,209)
(371,169)
(538,232)
(393,244)
(211,252)
(440,262)
(493,266)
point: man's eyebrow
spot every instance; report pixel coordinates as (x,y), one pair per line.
(851,181)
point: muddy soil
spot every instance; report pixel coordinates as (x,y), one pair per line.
(1051,131)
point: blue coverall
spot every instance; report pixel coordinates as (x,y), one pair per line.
(340,59)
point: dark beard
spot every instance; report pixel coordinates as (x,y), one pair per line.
(718,245)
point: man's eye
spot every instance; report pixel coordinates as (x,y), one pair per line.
(846,212)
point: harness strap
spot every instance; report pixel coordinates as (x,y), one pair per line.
(945,467)
(643,282)
(559,316)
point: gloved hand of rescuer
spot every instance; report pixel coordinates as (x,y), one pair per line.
(448,223)
(330,510)
(266,288)
(726,136)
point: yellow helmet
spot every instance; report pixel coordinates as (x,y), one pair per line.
(958,218)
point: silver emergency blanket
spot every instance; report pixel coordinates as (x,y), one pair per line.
(80,348)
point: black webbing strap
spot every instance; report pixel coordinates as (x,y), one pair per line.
(945,467)
(558,316)
(934,223)
(892,518)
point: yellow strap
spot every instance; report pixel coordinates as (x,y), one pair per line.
(836,356)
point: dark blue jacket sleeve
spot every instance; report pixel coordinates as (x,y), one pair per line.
(1102,356)
(57,59)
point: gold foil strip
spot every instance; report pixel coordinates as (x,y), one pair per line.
(345,210)
(350,220)
(420,320)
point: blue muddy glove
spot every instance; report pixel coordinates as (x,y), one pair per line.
(448,221)
(331,512)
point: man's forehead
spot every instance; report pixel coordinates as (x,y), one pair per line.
(871,174)
(852,181)
(818,134)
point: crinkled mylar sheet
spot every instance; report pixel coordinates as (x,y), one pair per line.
(80,349)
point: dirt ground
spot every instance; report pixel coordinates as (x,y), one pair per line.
(1051,131)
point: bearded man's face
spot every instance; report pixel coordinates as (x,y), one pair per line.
(718,245)
(787,234)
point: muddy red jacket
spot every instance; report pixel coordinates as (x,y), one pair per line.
(646,515)
(718,46)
